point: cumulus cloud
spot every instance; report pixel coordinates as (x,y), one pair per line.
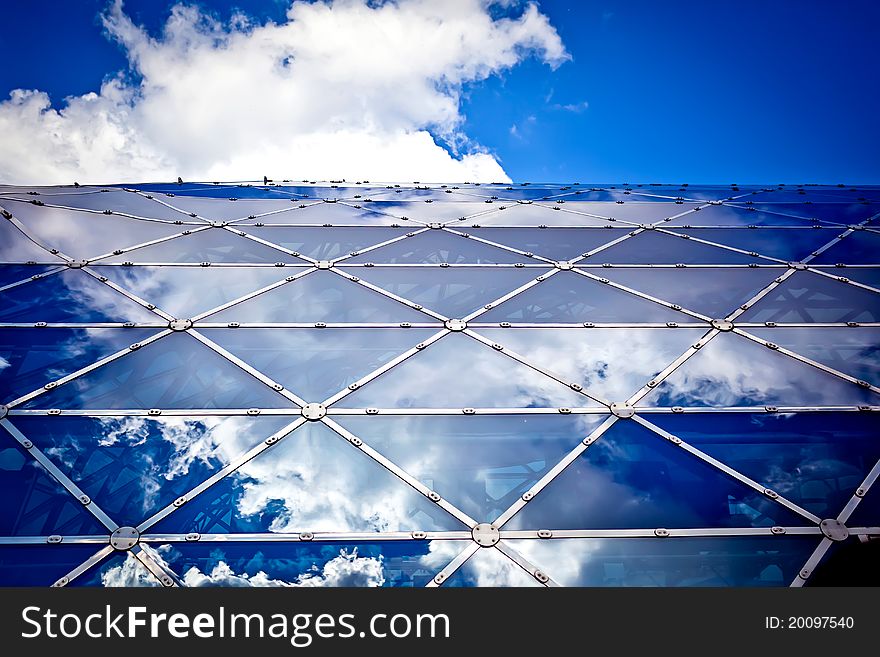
(338,89)
(129,573)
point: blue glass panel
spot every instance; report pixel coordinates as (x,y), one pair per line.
(865,275)
(69,296)
(317,214)
(391,563)
(663,249)
(867,513)
(569,297)
(610,363)
(454,292)
(842,213)
(176,371)
(34,504)
(212,245)
(638,210)
(321,297)
(317,363)
(430,195)
(40,565)
(728,215)
(118,570)
(816,460)
(30,358)
(733,371)
(790,244)
(15,273)
(553,243)
(16,247)
(736,561)
(859,248)
(84,235)
(133,466)
(189,291)
(427,212)
(542,215)
(848,563)
(325,243)
(432,378)
(224,191)
(96,199)
(489,567)
(313,480)
(481,464)
(633,478)
(854,351)
(714,292)
(436,246)
(222,209)
(810,297)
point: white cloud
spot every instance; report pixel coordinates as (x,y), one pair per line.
(338,89)
(575,108)
(130,573)
(346,569)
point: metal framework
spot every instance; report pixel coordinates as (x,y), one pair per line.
(529,317)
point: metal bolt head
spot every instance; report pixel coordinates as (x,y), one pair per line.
(455,324)
(313,412)
(253,411)
(180,324)
(54,539)
(193,536)
(541,577)
(545,533)
(124,538)
(439,578)
(805,573)
(722,325)
(485,535)
(4,411)
(777,530)
(419,536)
(306,536)
(661,532)
(323,264)
(433,496)
(622,410)
(167,581)
(834,529)
(61,582)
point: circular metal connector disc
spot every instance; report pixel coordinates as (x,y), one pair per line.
(622,410)
(486,535)
(218,224)
(797,265)
(834,529)
(77,264)
(563,264)
(124,538)
(722,325)
(313,412)
(436,226)
(4,411)
(323,264)
(180,324)
(455,324)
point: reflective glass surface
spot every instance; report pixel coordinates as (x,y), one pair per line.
(553,243)
(16,247)
(432,378)
(323,243)
(482,464)
(665,249)
(41,565)
(436,246)
(308,211)
(94,198)
(730,215)
(488,567)
(16,273)
(858,248)
(539,214)
(790,244)
(315,481)
(176,371)
(632,478)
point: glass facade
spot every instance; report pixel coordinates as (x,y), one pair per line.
(360,384)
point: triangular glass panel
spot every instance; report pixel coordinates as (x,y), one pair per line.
(667,562)
(119,570)
(536,215)
(317,363)
(16,273)
(714,292)
(553,243)
(314,481)
(842,213)
(318,563)
(663,249)
(311,213)
(572,298)
(31,358)
(489,568)
(867,513)
(734,371)
(34,504)
(223,209)
(816,460)
(69,296)
(436,246)
(42,565)
(99,200)
(16,247)
(320,297)
(481,464)
(790,244)
(809,297)
(864,275)
(176,371)
(323,243)
(86,235)
(188,291)
(454,292)
(132,467)
(728,215)
(433,379)
(858,248)
(436,211)
(853,351)
(212,245)
(633,478)
(610,363)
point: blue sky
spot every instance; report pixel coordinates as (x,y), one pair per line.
(693,92)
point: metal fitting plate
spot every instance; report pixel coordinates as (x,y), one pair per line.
(455,324)
(622,410)
(834,529)
(563,264)
(722,325)
(4,411)
(124,538)
(323,264)
(486,535)
(800,266)
(313,411)
(180,324)
(435,225)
